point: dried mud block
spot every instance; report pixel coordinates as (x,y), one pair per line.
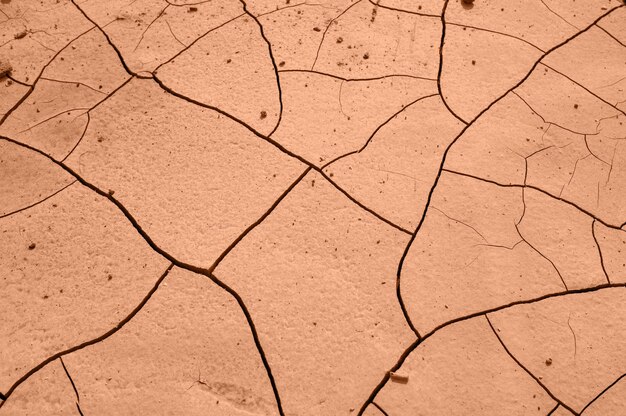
(464,367)
(26,179)
(469,257)
(612,246)
(47,27)
(90,61)
(53,117)
(394,173)
(574,343)
(193,179)
(581,13)
(531,21)
(503,136)
(565,142)
(596,61)
(188,351)
(319,273)
(292,31)
(582,156)
(478,68)
(47,392)
(386,43)
(563,234)
(56,115)
(230,68)
(325,117)
(72,267)
(150,32)
(420,7)
(560,102)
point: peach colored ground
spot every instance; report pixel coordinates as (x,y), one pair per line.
(268,207)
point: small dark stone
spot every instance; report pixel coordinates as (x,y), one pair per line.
(366,56)
(317,29)
(32,246)
(339,39)
(263,114)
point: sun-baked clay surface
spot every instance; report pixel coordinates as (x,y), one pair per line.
(339,207)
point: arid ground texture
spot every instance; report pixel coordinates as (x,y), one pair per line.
(313,207)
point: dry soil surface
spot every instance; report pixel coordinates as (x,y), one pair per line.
(313,207)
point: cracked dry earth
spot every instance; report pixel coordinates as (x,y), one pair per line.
(328,207)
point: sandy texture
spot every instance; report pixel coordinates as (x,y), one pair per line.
(320,208)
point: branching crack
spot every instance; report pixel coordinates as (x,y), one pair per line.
(537,380)
(69,377)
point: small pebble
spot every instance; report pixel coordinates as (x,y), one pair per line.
(32,246)
(398,378)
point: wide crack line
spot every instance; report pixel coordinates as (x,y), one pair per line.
(274,66)
(436,181)
(440,69)
(174,262)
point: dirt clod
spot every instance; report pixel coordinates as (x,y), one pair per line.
(5,68)
(32,246)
